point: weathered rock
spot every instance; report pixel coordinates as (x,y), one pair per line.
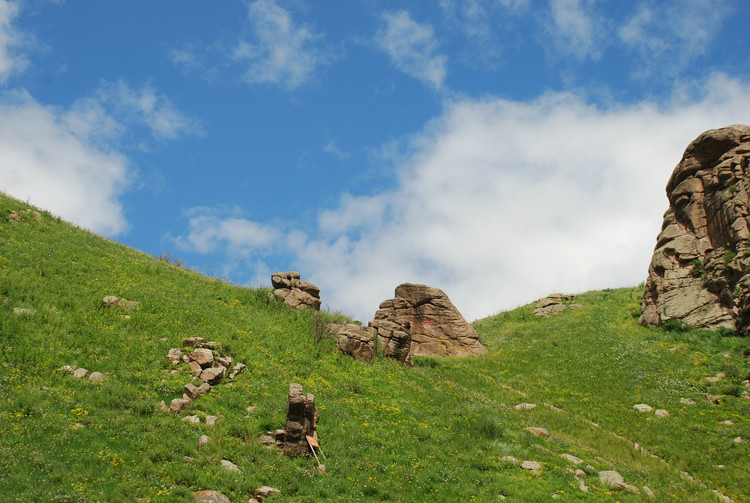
(203,357)
(80,373)
(642,407)
(224,361)
(301,421)
(96,377)
(426,318)
(394,339)
(687,401)
(123,304)
(714,399)
(24,311)
(193,341)
(648,492)
(532,465)
(525,406)
(661,413)
(203,440)
(229,466)
(264,492)
(195,367)
(174,355)
(572,459)
(210,497)
(297,294)
(613,480)
(194,392)
(192,419)
(213,375)
(68,368)
(211,420)
(357,341)
(237,370)
(178,404)
(13,216)
(538,432)
(697,272)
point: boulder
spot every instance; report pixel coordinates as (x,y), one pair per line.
(174,355)
(210,497)
(120,303)
(213,375)
(356,341)
(264,492)
(178,404)
(425,318)
(297,294)
(613,480)
(229,466)
(203,357)
(697,274)
(237,370)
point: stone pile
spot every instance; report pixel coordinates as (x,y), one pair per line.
(700,270)
(422,321)
(81,373)
(554,304)
(297,294)
(301,421)
(207,365)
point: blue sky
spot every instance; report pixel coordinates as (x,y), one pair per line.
(497,149)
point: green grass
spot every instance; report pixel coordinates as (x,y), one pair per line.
(437,431)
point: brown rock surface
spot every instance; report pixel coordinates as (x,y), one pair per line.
(356,341)
(426,319)
(697,273)
(296,293)
(301,421)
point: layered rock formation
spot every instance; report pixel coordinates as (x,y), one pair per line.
(356,341)
(698,271)
(422,321)
(301,421)
(295,293)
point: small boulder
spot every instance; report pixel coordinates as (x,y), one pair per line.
(96,377)
(525,406)
(194,392)
(210,497)
(178,404)
(80,373)
(642,407)
(534,466)
(572,459)
(356,341)
(192,419)
(687,401)
(13,216)
(237,370)
(538,432)
(264,492)
(211,420)
(203,440)
(224,361)
(174,355)
(213,375)
(193,341)
(229,466)
(23,311)
(661,413)
(203,357)
(613,480)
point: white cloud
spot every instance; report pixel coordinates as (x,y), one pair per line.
(575,28)
(10,60)
(47,158)
(412,48)
(212,228)
(71,161)
(144,107)
(282,52)
(500,202)
(668,36)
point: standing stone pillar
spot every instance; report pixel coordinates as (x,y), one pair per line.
(301,421)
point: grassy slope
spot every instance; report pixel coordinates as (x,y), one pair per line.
(435,432)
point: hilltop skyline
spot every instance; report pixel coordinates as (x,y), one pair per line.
(498,150)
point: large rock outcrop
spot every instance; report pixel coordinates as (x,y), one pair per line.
(422,321)
(698,271)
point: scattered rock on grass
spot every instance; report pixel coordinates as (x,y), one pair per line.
(174,355)
(661,413)
(23,311)
(237,370)
(211,420)
(123,304)
(613,480)
(96,377)
(229,466)
(264,492)
(80,373)
(714,399)
(572,459)
(739,440)
(538,432)
(13,216)
(532,465)
(192,419)
(203,440)
(642,407)
(525,406)
(687,401)
(210,497)
(178,404)
(648,492)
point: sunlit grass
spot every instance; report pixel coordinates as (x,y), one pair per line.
(437,431)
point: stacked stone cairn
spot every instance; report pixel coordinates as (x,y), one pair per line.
(297,294)
(208,366)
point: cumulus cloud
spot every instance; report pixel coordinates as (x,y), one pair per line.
(281,51)
(668,36)
(11,61)
(575,28)
(412,48)
(49,159)
(500,202)
(212,228)
(71,161)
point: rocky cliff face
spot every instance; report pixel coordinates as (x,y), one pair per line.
(700,270)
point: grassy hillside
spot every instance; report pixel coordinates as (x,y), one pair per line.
(439,431)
